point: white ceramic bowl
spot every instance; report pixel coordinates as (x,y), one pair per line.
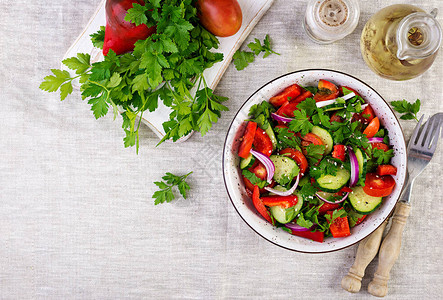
(243,204)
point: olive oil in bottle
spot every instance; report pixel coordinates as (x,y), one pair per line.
(401,41)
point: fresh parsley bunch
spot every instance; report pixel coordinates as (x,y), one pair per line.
(164,67)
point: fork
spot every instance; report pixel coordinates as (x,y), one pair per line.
(421,148)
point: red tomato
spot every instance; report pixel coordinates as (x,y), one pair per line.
(335,118)
(372,128)
(260,171)
(298,157)
(340,226)
(247,140)
(283,201)
(316,236)
(220,17)
(259,206)
(368,113)
(339,152)
(381,146)
(351,89)
(306,94)
(325,207)
(309,138)
(326,91)
(287,109)
(312,139)
(262,142)
(360,220)
(378,186)
(288,94)
(386,170)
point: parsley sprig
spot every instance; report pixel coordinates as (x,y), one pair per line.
(166,194)
(164,67)
(409,110)
(243,58)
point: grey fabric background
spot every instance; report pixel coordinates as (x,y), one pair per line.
(77,220)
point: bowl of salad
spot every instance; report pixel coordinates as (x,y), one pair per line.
(314,161)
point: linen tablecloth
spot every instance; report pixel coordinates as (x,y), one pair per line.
(77,220)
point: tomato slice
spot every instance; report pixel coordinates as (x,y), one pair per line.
(360,220)
(287,109)
(386,170)
(349,88)
(262,142)
(288,94)
(306,94)
(372,128)
(326,91)
(378,186)
(247,140)
(325,207)
(283,201)
(316,236)
(259,206)
(340,226)
(299,158)
(335,118)
(381,146)
(312,138)
(368,113)
(339,152)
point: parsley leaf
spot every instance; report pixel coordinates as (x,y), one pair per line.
(301,122)
(381,156)
(98,38)
(314,153)
(287,139)
(337,213)
(165,194)
(409,110)
(243,58)
(254,179)
(303,222)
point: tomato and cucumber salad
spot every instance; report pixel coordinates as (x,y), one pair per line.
(316,160)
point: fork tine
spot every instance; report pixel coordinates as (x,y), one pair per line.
(434,134)
(424,132)
(414,134)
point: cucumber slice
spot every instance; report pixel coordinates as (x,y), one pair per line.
(334,106)
(283,215)
(325,137)
(285,169)
(362,202)
(362,161)
(333,184)
(247,162)
(271,135)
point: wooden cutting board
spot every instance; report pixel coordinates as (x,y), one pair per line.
(252,11)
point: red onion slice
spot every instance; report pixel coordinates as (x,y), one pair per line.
(354,167)
(331,202)
(375,140)
(280,118)
(285,193)
(267,162)
(295,227)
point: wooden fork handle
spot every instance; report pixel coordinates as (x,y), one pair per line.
(389,251)
(367,249)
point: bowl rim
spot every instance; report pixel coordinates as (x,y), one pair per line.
(247,100)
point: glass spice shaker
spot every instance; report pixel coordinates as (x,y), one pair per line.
(401,41)
(327,21)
